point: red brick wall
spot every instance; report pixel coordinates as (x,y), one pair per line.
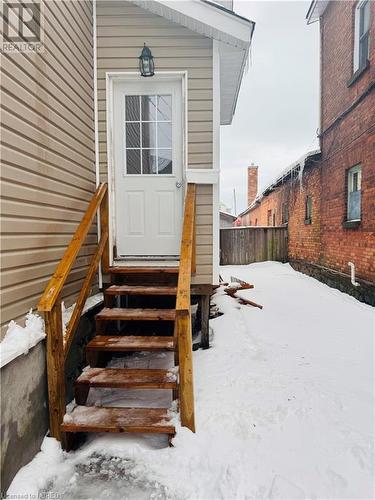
(304,239)
(341,245)
(273,202)
(349,141)
(337,42)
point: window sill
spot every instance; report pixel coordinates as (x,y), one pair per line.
(307,222)
(358,73)
(351,224)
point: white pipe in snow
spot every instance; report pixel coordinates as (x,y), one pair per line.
(352,274)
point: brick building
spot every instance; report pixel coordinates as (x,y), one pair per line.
(286,200)
(329,204)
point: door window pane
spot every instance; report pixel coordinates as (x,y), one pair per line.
(164,135)
(132,135)
(165,161)
(132,108)
(149,107)
(164,107)
(149,161)
(148,135)
(133,161)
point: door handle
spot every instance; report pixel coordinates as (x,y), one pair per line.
(179,184)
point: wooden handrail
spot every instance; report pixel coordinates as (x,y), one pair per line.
(50,304)
(56,283)
(183,314)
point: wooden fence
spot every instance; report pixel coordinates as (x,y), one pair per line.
(244,245)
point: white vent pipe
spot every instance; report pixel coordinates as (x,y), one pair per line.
(352,274)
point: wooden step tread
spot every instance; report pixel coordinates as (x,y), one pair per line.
(104,419)
(130,343)
(124,378)
(118,313)
(143,270)
(140,290)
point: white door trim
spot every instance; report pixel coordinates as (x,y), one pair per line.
(111,77)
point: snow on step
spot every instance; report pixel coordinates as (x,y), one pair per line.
(128,378)
(102,419)
(130,343)
(118,313)
(140,290)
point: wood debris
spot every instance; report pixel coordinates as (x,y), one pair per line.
(237,285)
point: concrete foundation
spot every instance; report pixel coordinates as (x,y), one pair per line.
(24,412)
(365,292)
(24,399)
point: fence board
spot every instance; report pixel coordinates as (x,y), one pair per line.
(244,245)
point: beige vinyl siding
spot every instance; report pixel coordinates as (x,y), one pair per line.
(122,29)
(48,157)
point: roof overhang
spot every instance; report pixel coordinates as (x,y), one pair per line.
(316,10)
(229,216)
(233,32)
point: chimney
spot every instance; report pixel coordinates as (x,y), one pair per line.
(252,184)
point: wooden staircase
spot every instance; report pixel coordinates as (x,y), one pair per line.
(121,330)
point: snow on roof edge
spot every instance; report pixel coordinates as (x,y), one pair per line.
(227,213)
(302,160)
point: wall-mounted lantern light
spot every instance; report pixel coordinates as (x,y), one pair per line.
(146,62)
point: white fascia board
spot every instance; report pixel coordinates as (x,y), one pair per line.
(203,18)
(202,176)
(232,66)
(316,10)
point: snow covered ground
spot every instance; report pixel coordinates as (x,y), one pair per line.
(284,408)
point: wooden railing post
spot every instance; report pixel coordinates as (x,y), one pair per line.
(183,314)
(183,319)
(55,368)
(194,251)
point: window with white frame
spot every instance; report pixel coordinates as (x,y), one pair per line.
(148,134)
(361,35)
(354,193)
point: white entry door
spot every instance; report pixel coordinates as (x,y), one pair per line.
(148,174)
